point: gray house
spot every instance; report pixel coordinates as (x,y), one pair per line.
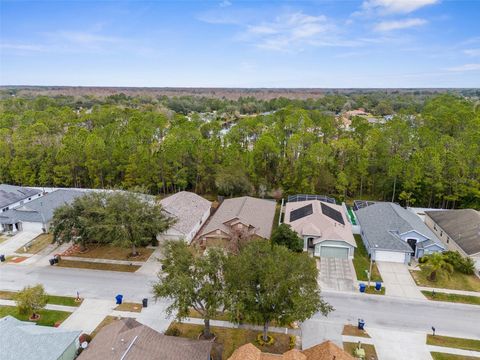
(27,341)
(394,234)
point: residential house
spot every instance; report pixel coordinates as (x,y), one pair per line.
(127,339)
(248,215)
(27,341)
(392,233)
(37,214)
(324,227)
(190,212)
(324,351)
(12,196)
(459,230)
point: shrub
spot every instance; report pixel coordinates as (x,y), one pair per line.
(30,300)
(261,342)
(460,263)
(173,331)
(293,342)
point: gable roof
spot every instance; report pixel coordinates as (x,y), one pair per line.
(129,340)
(462,226)
(255,212)
(383,222)
(41,209)
(33,342)
(323,221)
(324,351)
(187,208)
(10,194)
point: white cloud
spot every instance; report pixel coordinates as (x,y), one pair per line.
(465,67)
(399,24)
(225,3)
(395,6)
(22,47)
(472,52)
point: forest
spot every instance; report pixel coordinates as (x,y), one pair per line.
(426,154)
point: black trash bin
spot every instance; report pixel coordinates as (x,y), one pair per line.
(361,324)
(2,258)
(145,302)
(52,261)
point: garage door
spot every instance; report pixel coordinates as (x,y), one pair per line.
(332,251)
(390,256)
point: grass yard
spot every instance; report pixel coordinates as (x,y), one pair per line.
(352,330)
(97,266)
(444,356)
(194,314)
(106,321)
(370,352)
(277,216)
(453,342)
(128,306)
(115,253)
(51,299)
(464,299)
(47,317)
(36,245)
(371,290)
(457,281)
(231,339)
(361,262)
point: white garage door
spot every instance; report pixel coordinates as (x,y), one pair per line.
(332,251)
(390,256)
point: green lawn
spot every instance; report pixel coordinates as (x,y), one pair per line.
(371,290)
(464,299)
(115,253)
(227,339)
(453,342)
(97,266)
(277,216)
(361,262)
(370,352)
(47,317)
(352,330)
(444,356)
(456,281)
(36,245)
(51,299)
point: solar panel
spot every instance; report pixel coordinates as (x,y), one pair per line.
(360,204)
(332,213)
(305,197)
(301,212)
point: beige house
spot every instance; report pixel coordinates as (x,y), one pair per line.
(323,226)
(459,230)
(246,215)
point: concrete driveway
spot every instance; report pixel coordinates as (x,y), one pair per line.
(399,345)
(336,274)
(398,281)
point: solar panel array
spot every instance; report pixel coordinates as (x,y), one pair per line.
(301,212)
(332,213)
(304,197)
(360,204)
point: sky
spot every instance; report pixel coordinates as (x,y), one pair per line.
(233,43)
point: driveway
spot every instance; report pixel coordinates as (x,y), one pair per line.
(399,345)
(336,274)
(398,281)
(9,246)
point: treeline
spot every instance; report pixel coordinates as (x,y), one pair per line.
(427,155)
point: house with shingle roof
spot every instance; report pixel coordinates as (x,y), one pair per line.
(27,341)
(459,230)
(324,351)
(127,339)
(394,234)
(242,214)
(12,196)
(190,212)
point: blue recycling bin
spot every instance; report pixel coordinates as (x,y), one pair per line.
(362,288)
(378,286)
(361,324)
(119,299)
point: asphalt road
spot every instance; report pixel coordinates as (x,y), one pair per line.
(377,311)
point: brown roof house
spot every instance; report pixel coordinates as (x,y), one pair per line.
(247,215)
(459,230)
(324,351)
(127,339)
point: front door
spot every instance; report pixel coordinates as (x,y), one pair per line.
(413,245)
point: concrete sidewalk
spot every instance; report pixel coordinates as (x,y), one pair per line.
(460,352)
(450,291)
(5,302)
(103,261)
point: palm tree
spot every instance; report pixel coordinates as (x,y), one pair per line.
(437,266)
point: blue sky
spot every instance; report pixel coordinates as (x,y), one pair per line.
(231,43)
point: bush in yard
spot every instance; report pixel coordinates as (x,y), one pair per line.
(437,266)
(31,300)
(286,236)
(173,331)
(460,263)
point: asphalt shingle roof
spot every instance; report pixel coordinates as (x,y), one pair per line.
(10,194)
(27,341)
(462,226)
(382,222)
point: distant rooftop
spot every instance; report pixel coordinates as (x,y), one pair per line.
(10,194)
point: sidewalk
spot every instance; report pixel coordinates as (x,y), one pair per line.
(5,302)
(447,350)
(450,291)
(104,261)
(88,315)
